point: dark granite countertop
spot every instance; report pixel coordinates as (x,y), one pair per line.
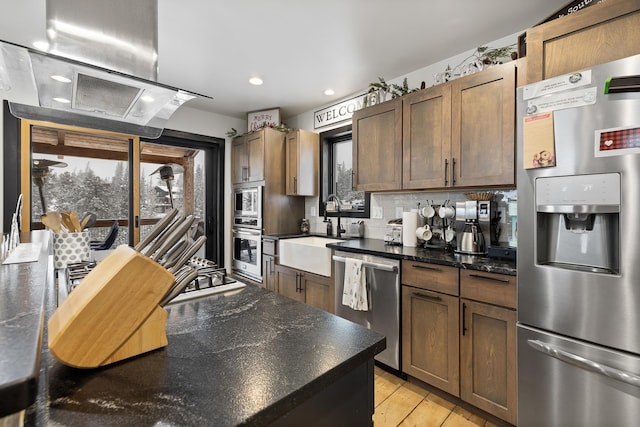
(22,295)
(241,358)
(433,256)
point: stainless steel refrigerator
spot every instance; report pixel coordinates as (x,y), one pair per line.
(579,248)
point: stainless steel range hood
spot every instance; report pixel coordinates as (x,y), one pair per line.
(98,72)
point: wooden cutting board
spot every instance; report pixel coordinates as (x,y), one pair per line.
(108,317)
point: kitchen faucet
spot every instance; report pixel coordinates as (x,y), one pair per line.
(335,198)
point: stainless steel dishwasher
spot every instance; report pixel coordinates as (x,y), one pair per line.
(383,283)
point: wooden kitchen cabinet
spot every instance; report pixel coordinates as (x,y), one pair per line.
(430,343)
(289,283)
(488,358)
(601,33)
(269,249)
(306,287)
(430,324)
(456,134)
(426,138)
(488,342)
(302,163)
(248,158)
(483,128)
(377,147)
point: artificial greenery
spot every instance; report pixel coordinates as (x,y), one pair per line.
(281,127)
(492,56)
(395,90)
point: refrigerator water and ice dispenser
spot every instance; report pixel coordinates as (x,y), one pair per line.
(578,222)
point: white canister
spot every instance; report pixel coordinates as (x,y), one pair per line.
(69,248)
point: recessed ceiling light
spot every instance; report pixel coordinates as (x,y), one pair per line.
(61,79)
(62,100)
(255,81)
(41,45)
(329,92)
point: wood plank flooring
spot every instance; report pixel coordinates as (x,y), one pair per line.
(401,403)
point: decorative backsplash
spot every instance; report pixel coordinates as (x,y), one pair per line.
(393,204)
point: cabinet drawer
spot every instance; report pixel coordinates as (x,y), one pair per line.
(268,247)
(492,288)
(434,277)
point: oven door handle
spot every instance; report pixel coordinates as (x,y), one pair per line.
(246,231)
(586,364)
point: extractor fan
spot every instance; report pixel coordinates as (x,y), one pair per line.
(167,173)
(39,171)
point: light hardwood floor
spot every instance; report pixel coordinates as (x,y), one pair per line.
(402,403)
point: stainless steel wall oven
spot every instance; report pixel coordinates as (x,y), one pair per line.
(247,252)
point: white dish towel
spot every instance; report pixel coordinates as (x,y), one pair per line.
(355,293)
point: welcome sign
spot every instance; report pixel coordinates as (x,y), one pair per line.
(337,112)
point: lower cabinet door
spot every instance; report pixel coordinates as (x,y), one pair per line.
(288,281)
(488,358)
(430,338)
(318,291)
(268,272)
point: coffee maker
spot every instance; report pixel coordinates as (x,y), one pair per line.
(476,226)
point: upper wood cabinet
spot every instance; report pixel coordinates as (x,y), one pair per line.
(302,163)
(483,128)
(457,134)
(601,33)
(247,158)
(426,137)
(377,147)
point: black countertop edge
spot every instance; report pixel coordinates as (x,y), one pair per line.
(378,247)
(22,295)
(284,406)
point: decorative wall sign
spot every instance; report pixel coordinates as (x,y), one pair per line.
(266,118)
(337,112)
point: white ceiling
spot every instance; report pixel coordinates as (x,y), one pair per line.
(300,48)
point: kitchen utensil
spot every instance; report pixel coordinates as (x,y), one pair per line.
(68,222)
(156,230)
(179,285)
(424,233)
(188,253)
(472,241)
(179,232)
(87,220)
(427,211)
(174,253)
(73,215)
(449,234)
(447,212)
(52,220)
(162,237)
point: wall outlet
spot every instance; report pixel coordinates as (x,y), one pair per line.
(313,211)
(377,213)
(399,211)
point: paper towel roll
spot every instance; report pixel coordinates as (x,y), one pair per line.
(409,225)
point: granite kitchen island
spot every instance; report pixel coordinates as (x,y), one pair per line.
(245,357)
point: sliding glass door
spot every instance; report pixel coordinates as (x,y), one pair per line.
(123,180)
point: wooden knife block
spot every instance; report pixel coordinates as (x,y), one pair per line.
(114,313)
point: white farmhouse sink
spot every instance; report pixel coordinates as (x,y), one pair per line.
(307,254)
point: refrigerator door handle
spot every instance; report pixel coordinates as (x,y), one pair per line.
(586,364)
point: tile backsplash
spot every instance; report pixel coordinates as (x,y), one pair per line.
(391,205)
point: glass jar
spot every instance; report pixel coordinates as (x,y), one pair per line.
(304,226)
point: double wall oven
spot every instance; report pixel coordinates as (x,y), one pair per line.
(247,232)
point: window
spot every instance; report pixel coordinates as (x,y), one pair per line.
(110,175)
(337,174)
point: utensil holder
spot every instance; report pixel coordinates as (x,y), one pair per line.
(114,313)
(69,248)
